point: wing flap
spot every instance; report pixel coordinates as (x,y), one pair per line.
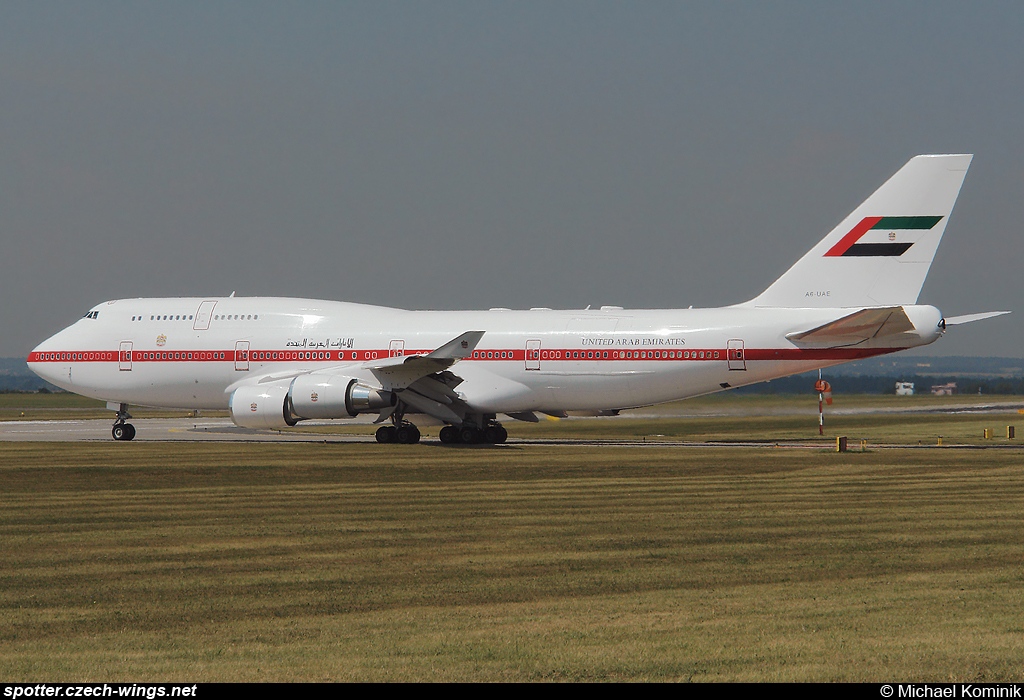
(525,416)
(434,390)
(430,407)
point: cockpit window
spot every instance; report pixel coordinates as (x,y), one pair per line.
(92,314)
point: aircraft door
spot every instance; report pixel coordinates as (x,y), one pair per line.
(124,356)
(203,316)
(242,356)
(397,348)
(737,356)
(532,354)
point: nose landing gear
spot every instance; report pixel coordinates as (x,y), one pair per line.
(122,430)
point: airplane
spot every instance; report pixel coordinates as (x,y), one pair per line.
(273,362)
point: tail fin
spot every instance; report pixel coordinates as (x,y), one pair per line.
(880,254)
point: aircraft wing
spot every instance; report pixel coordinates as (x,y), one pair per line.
(435,396)
(396,373)
(423,381)
(857,327)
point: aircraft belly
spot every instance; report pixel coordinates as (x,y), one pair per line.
(490,391)
(581,391)
(182,387)
(659,386)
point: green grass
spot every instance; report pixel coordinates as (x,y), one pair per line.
(283,562)
(774,419)
(899,429)
(63,405)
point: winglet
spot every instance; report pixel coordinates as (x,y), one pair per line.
(458,348)
(396,373)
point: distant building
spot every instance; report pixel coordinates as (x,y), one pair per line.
(944,389)
(904,388)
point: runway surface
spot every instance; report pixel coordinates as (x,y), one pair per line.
(215,429)
(157,429)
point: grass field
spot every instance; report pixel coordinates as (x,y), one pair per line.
(779,420)
(717,418)
(247,562)
(63,405)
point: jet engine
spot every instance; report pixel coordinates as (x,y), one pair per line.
(335,396)
(279,405)
(261,407)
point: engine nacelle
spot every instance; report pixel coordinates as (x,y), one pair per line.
(261,407)
(335,396)
(362,399)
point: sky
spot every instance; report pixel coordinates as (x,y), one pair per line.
(477,154)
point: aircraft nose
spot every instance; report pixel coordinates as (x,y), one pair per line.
(46,362)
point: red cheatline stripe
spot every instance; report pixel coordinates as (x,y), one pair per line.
(853,236)
(824,354)
(258,357)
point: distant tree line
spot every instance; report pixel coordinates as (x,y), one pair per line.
(19,384)
(799,384)
(804,384)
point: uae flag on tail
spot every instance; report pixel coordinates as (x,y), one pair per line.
(882,236)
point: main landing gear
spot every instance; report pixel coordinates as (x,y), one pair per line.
(404,434)
(401,431)
(123,430)
(493,434)
(408,434)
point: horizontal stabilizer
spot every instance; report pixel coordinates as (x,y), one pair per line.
(968,318)
(857,327)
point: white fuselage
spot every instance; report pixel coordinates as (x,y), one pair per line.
(194,352)
(273,362)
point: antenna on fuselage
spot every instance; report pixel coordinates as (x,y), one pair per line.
(231,295)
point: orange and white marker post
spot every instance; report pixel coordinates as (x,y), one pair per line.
(824,390)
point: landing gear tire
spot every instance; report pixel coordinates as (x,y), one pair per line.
(123,431)
(407,434)
(495,434)
(469,436)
